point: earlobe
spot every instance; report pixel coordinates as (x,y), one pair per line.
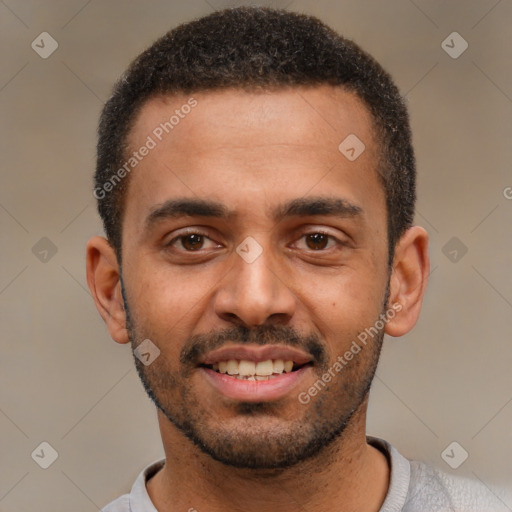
(408,280)
(103,278)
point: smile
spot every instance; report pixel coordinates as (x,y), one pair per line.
(254,371)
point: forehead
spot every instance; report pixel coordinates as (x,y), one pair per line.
(311,115)
(250,148)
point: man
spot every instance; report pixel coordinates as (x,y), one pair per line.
(256,181)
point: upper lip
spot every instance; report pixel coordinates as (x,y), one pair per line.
(256,354)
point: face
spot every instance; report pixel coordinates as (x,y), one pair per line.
(249,237)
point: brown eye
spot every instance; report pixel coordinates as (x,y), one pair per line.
(192,242)
(317,241)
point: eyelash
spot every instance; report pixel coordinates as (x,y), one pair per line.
(182,236)
(324,233)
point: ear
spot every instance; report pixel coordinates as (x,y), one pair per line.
(103,277)
(408,281)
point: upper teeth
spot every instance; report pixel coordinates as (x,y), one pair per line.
(247,368)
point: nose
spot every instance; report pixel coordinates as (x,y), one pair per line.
(254,293)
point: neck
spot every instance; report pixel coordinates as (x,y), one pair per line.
(347,475)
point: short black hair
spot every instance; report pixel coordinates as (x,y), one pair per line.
(256,48)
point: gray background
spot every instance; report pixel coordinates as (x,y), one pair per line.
(65,382)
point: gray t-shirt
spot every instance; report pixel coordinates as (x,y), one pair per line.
(413,487)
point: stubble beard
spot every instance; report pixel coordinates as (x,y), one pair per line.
(259,436)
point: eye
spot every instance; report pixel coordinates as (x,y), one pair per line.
(317,241)
(192,242)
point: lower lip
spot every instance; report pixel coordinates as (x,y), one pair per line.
(255,391)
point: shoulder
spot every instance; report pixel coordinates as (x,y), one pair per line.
(121,504)
(417,487)
(445,492)
(138,499)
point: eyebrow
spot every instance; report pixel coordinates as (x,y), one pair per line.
(302,207)
(185,207)
(306,207)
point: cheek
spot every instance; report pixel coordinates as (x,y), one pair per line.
(349,288)
(165,301)
(342,305)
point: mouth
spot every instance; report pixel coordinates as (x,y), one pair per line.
(255,373)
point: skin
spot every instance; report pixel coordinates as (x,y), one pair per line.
(252,153)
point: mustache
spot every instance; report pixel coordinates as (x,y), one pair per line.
(200,344)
